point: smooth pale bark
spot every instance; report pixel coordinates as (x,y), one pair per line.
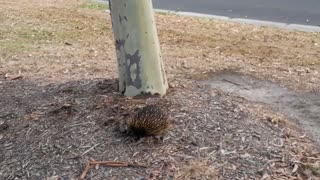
(141,69)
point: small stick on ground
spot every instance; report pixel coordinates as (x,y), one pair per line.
(86,169)
(16,78)
(109,163)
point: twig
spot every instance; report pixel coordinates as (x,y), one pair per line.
(86,169)
(9,114)
(117,164)
(90,149)
(111,164)
(16,78)
(137,164)
(231,82)
(313,158)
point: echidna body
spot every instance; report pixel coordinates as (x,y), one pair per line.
(150,120)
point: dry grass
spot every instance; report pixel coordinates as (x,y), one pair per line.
(197,169)
(291,58)
(59,39)
(70,42)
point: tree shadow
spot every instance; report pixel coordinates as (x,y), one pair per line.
(59,105)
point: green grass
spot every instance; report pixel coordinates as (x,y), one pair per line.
(22,39)
(28,37)
(13,47)
(35,35)
(95,6)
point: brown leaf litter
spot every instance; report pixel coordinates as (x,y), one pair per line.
(214,136)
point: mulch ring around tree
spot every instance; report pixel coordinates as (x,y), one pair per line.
(53,131)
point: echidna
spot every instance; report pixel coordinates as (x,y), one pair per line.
(150,120)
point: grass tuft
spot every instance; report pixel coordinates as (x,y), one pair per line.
(95,6)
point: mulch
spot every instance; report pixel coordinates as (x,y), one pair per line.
(53,131)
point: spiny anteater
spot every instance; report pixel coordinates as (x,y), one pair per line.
(150,120)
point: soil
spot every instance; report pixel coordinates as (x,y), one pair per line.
(302,107)
(54,130)
(60,107)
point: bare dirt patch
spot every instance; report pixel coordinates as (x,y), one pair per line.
(303,107)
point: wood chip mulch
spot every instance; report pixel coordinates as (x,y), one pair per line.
(53,131)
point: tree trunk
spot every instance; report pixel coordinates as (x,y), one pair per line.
(141,69)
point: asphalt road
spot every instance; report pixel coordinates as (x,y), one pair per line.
(305,12)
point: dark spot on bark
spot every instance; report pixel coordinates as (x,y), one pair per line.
(127,35)
(134,59)
(125,18)
(125,4)
(118,61)
(120,19)
(110,5)
(124,87)
(120,43)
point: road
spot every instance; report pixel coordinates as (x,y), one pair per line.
(305,12)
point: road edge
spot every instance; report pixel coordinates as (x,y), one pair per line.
(294,27)
(297,27)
